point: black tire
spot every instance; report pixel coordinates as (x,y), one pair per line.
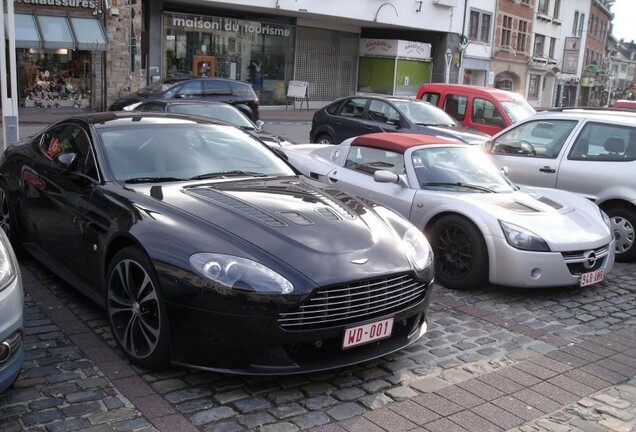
(324,139)
(136,312)
(461,258)
(623,222)
(8,220)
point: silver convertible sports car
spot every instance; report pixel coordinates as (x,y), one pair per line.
(483,228)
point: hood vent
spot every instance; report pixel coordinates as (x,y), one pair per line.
(297,218)
(517,207)
(239,206)
(327,197)
(553,204)
(328,214)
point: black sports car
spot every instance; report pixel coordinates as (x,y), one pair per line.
(208,250)
(362,114)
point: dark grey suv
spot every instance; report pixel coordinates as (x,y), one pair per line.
(237,93)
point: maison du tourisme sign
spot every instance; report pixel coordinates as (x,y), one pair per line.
(84,4)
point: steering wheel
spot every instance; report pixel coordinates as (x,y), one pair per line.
(526,148)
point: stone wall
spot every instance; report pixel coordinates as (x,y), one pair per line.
(123,77)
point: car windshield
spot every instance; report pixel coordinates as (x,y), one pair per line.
(518,109)
(424,113)
(461,169)
(221,112)
(156,88)
(143,153)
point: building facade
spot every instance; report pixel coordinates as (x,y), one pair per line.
(60,48)
(87,53)
(546,53)
(298,40)
(511,48)
(594,78)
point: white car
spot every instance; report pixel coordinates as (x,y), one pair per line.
(483,228)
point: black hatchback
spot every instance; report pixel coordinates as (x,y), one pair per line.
(363,114)
(237,93)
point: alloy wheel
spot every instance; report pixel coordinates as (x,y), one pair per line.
(133,308)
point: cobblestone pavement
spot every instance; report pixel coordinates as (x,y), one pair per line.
(494,359)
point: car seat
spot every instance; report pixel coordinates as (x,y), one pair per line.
(614,146)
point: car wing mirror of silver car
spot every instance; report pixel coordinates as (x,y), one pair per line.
(384,176)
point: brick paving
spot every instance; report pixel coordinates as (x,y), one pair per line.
(493,360)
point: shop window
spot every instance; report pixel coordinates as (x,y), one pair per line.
(256,52)
(54,78)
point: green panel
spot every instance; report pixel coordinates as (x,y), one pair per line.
(375,75)
(411,75)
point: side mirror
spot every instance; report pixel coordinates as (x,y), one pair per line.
(66,161)
(383,176)
(487,146)
(395,122)
(259,124)
(504,170)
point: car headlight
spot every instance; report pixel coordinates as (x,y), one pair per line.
(521,238)
(7,263)
(417,248)
(131,107)
(240,273)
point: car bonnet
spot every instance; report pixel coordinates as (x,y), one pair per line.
(563,225)
(310,228)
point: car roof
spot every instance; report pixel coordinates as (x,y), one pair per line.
(398,142)
(607,114)
(130,118)
(186,102)
(499,94)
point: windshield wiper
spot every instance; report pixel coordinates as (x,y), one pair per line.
(460,184)
(152,179)
(223,174)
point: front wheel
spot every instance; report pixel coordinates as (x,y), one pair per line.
(461,258)
(622,222)
(136,312)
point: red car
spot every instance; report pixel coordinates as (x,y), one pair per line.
(484,108)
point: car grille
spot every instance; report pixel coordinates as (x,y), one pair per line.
(355,302)
(575,260)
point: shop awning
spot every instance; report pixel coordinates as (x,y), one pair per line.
(55,32)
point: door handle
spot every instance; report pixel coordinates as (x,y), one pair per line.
(547,169)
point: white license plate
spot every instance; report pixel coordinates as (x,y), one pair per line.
(366,333)
(592,277)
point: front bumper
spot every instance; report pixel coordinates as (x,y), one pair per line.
(258,345)
(11,332)
(527,269)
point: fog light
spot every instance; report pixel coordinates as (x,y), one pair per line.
(535,273)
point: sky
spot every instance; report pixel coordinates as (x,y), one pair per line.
(624,19)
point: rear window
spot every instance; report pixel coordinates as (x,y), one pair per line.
(242,89)
(216,88)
